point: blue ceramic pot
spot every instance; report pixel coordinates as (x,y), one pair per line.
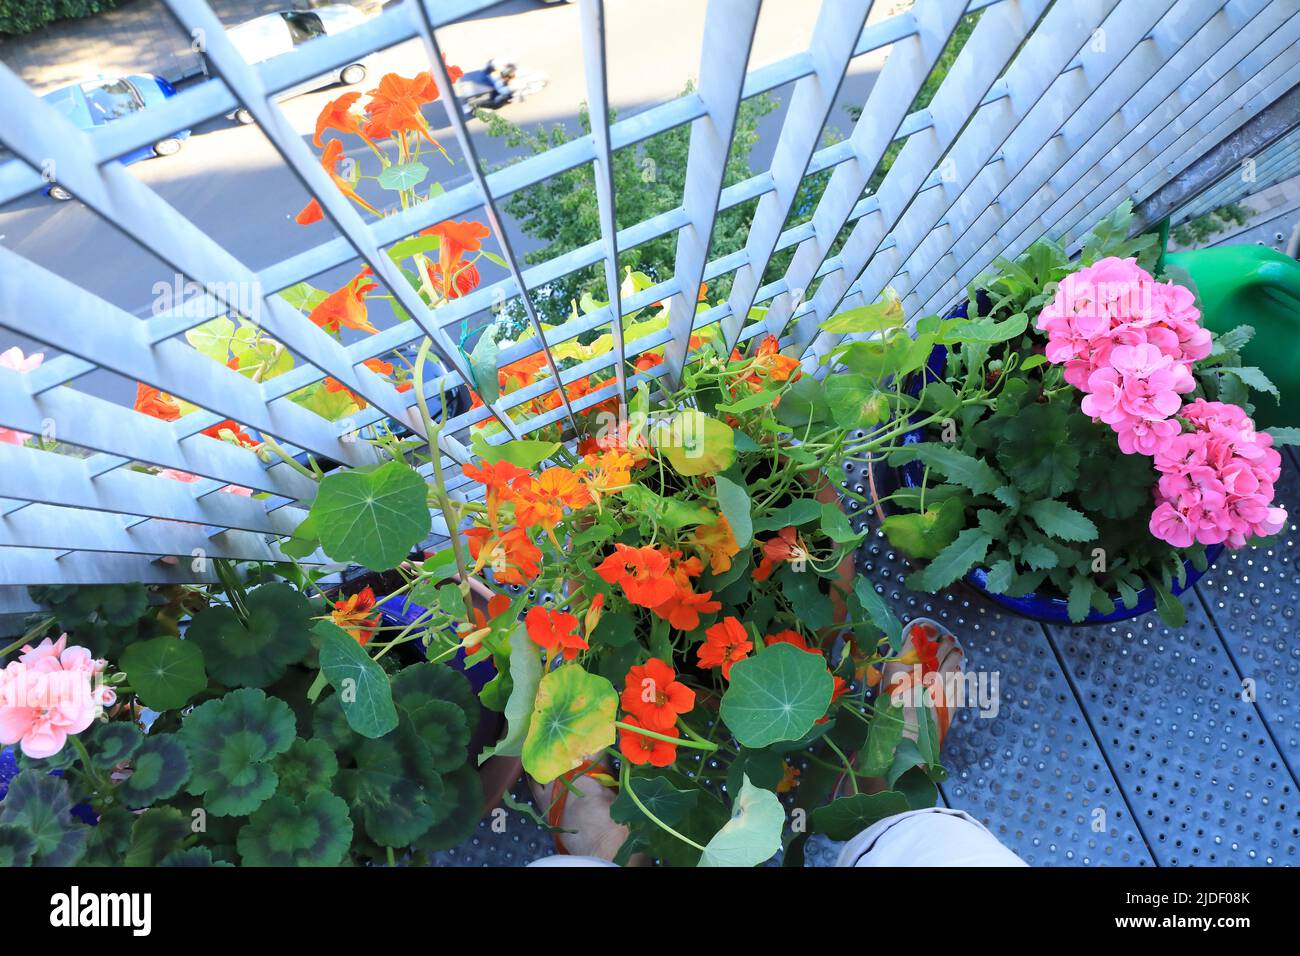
(1040,607)
(9,769)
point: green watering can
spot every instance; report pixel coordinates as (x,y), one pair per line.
(1260,287)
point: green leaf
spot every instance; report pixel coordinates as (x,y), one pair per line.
(752,835)
(403,176)
(801,511)
(1061,521)
(733,499)
(776,695)
(159,769)
(303,296)
(166,671)
(483,363)
(806,598)
(1169,608)
(959,467)
(1008,495)
(112,743)
(1080,598)
(984,331)
(156,834)
(1038,556)
(525,453)
(372,516)
(845,818)
(17,846)
(694,443)
(231,743)
(573,717)
(803,403)
(878,317)
(415,245)
(855,401)
(41,806)
(1284,435)
(362,685)
(658,794)
(836,526)
(1001,575)
(882,741)
(312,831)
(256,654)
(956,560)
(308,766)
(878,611)
(212,338)
(923,534)
(1254,378)
(525,676)
(456,814)
(670,512)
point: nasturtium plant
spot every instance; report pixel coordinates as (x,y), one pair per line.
(251,646)
(777,695)
(373,516)
(752,835)
(165,671)
(573,716)
(361,684)
(232,743)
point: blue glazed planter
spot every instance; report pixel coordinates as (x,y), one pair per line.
(9,769)
(1039,607)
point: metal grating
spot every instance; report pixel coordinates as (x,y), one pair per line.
(1051,113)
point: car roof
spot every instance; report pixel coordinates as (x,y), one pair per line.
(71,102)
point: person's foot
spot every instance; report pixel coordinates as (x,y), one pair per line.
(584,815)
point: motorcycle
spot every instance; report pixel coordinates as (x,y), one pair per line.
(496,85)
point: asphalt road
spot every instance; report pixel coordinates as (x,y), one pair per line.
(229,180)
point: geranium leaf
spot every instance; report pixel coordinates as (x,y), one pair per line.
(231,743)
(166,671)
(776,695)
(752,835)
(308,766)
(255,654)
(362,685)
(312,831)
(373,516)
(158,770)
(955,560)
(155,834)
(41,806)
(845,818)
(573,717)
(114,742)
(1060,520)
(17,846)
(456,814)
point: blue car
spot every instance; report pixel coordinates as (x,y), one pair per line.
(98,102)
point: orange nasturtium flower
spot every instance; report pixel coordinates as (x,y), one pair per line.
(456,239)
(791,637)
(354,615)
(925,648)
(684,608)
(501,480)
(512,555)
(725,643)
(464,279)
(769,361)
(717,543)
(653,694)
(156,404)
(338,115)
(330,159)
(594,611)
(785,545)
(232,430)
(642,573)
(394,105)
(346,306)
(640,749)
(555,631)
(789,778)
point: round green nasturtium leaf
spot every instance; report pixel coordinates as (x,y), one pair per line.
(573,717)
(111,743)
(41,806)
(403,176)
(17,846)
(846,817)
(194,856)
(753,834)
(776,695)
(696,444)
(372,516)
(360,684)
(279,619)
(313,831)
(232,743)
(159,768)
(392,807)
(165,672)
(308,766)
(457,814)
(157,833)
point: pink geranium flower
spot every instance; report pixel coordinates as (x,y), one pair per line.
(51,691)
(14,360)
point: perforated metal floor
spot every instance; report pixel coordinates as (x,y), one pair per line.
(1125,744)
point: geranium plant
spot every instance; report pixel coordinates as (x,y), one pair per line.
(1115,446)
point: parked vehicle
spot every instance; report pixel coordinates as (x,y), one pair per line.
(274,34)
(103,100)
(499,83)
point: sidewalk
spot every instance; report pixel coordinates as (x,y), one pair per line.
(139,36)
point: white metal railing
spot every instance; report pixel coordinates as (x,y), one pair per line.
(1052,113)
